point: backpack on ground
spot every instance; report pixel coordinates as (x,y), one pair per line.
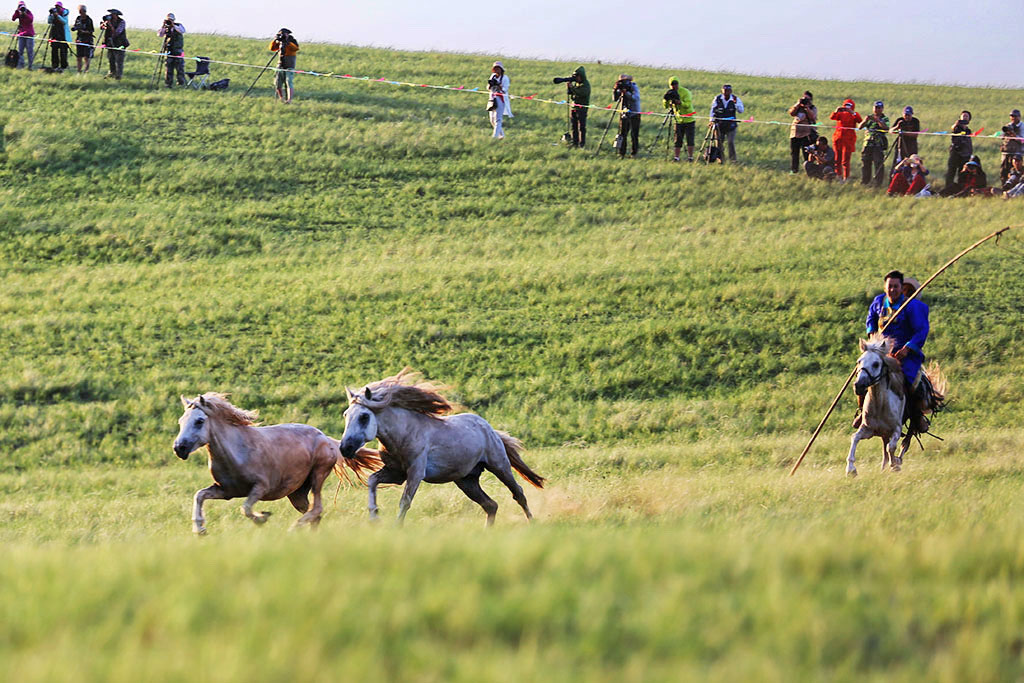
(222,84)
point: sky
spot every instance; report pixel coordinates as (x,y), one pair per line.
(939,41)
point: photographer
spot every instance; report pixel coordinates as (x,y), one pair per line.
(628,94)
(173,34)
(115,39)
(679,102)
(906,128)
(961,147)
(873,153)
(85,32)
(60,37)
(973,181)
(26,35)
(578,90)
(1012,145)
(844,138)
(821,160)
(803,132)
(724,109)
(496,84)
(287,47)
(908,177)
(1014,185)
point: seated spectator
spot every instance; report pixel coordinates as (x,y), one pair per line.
(908,178)
(821,161)
(973,181)
(1015,177)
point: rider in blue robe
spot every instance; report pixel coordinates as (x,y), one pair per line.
(909,331)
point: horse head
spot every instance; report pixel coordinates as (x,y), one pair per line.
(871,364)
(194,430)
(360,423)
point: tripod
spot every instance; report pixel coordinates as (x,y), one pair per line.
(665,122)
(711,136)
(608,125)
(272,58)
(155,81)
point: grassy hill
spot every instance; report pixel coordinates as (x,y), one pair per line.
(663,337)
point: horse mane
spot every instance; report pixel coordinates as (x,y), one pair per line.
(406,390)
(218,405)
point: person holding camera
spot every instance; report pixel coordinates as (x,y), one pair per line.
(173,34)
(1012,146)
(26,36)
(60,37)
(872,156)
(627,93)
(821,160)
(85,32)
(724,109)
(285,45)
(115,39)
(909,177)
(961,147)
(679,102)
(844,138)
(1014,185)
(803,132)
(577,89)
(497,87)
(907,128)
(973,181)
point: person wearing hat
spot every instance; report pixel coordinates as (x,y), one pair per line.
(85,32)
(285,45)
(497,85)
(1012,145)
(26,35)
(628,94)
(724,109)
(679,102)
(961,147)
(908,332)
(872,156)
(844,138)
(60,37)
(907,128)
(910,285)
(802,132)
(1015,180)
(578,90)
(115,39)
(173,34)
(973,181)
(909,177)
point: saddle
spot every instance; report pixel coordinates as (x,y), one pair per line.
(922,401)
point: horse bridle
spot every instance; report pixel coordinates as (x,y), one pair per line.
(875,379)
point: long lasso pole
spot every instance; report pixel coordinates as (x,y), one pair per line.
(910,298)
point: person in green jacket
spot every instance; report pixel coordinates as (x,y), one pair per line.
(579,94)
(679,102)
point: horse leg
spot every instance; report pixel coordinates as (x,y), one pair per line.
(885,454)
(316,483)
(214,492)
(851,468)
(254,495)
(470,485)
(896,461)
(414,476)
(505,476)
(299,498)
(381,476)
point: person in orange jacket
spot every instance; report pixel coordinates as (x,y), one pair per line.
(287,47)
(844,139)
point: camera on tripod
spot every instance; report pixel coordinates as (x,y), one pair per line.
(564,80)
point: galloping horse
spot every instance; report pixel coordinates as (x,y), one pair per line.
(421,442)
(261,463)
(881,377)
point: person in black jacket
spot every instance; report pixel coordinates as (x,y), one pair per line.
(115,39)
(173,34)
(85,34)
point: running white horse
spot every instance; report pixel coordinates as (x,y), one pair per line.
(421,442)
(881,378)
(261,463)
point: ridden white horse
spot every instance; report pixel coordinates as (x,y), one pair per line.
(261,463)
(421,442)
(882,379)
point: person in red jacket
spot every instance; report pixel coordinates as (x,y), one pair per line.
(844,139)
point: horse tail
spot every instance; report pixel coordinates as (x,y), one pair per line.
(366,460)
(513,449)
(938,388)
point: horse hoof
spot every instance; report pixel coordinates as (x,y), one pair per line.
(200,531)
(851,473)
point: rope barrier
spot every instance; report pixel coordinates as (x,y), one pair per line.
(462,88)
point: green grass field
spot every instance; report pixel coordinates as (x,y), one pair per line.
(662,337)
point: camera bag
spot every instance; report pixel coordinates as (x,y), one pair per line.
(11,59)
(222,84)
